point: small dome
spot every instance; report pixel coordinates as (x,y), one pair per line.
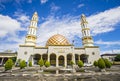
(57,40)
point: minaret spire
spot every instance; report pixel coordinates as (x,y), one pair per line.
(31,34)
(86,37)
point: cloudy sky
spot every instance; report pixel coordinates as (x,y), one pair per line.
(63,17)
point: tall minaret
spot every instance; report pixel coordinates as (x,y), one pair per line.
(31,35)
(86,37)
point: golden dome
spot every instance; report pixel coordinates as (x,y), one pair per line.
(57,40)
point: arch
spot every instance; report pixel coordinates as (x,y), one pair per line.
(5,59)
(69,58)
(61,60)
(53,59)
(84,58)
(45,57)
(77,58)
(36,58)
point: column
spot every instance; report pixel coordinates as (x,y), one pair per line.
(57,61)
(73,58)
(78,57)
(32,60)
(65,61)
(48,58)
(41,57)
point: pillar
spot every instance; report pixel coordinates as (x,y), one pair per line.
(41,56)
(78,57)
(73,58)
(65,60)
(48,58)
(57,64)
(32,60)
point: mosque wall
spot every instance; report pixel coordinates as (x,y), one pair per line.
(24,53)
(94,54)
(40,51)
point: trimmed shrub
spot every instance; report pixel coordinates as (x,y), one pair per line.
(14,59)
(9,64)
(107,63)
(30,63)
(47,64)
(101,63)
(22,64)
(80,63)
(95,63)
(41,62)
(71,63)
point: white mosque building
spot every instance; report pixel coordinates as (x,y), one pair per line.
(58,50)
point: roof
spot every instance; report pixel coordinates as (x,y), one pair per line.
(109,54)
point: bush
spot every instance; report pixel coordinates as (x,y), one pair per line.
(71,63)
(8,64)
(101,63)
(22,64)
(108,64)
(30,64)
(14,59)
(41,62)
(95,63)
(47,64)
(80,63)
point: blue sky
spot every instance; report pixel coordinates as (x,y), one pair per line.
(63,17)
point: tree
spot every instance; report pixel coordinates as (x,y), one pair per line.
(107,63)
(41,62)
(47,64)
(80,63)
(95,63)
(9,64)
(22,64)
(117,58)
(30,63)
(101,63)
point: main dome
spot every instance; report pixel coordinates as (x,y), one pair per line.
(57,40)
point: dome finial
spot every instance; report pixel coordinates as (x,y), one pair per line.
(35,12)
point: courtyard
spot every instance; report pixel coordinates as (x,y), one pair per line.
(51,74)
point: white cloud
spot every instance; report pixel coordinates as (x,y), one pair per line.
(80,5)
(108,42)
(104,21)
(22,18)
(54,7)
(8,26)
(43,1)
(65,26)
(69,26)
(29,1)
(10,30)
(112,51)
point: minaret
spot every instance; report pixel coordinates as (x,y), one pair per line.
(86,37)
(31,35)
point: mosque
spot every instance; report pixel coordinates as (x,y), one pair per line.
(58,50)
